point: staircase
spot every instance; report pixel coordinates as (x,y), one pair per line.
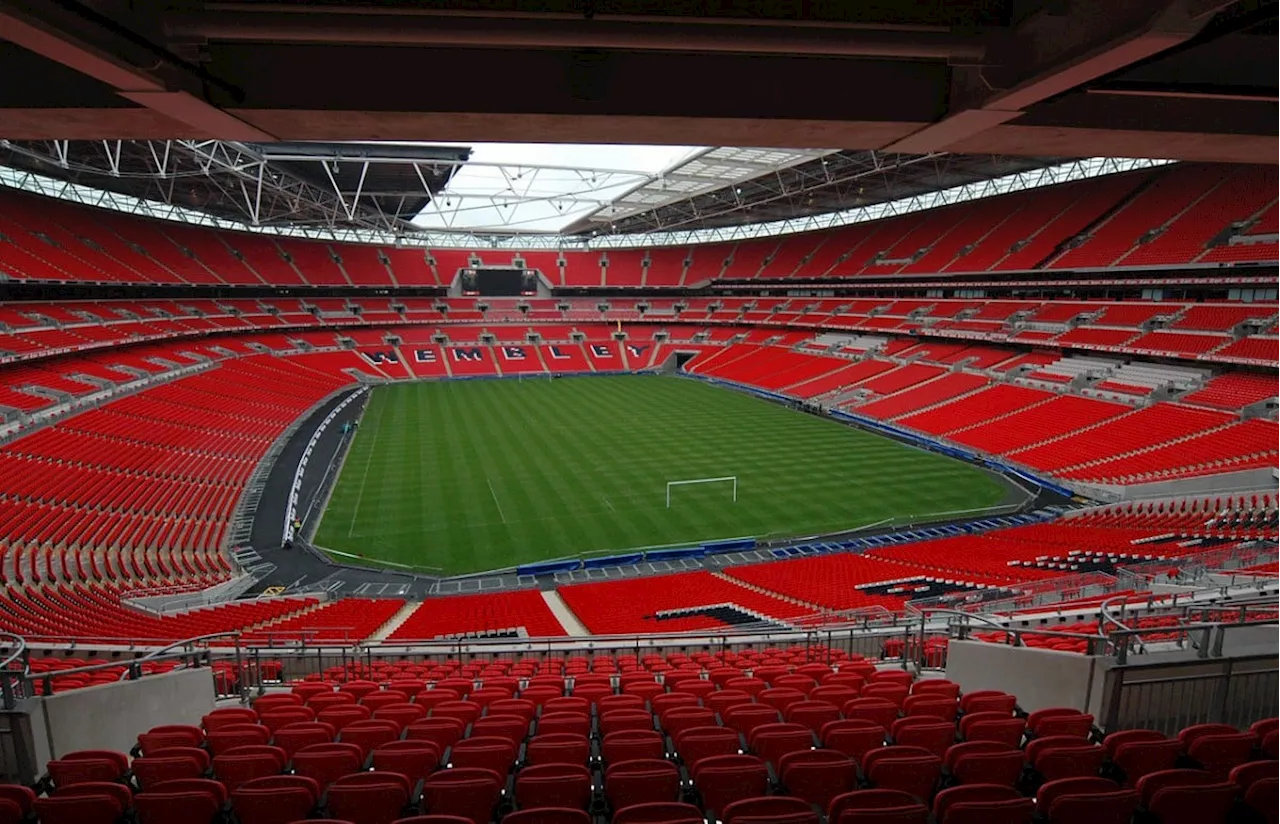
(393,623)
(761,590)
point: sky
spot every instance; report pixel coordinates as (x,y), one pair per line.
(542,187)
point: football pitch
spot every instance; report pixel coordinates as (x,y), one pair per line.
(476,475)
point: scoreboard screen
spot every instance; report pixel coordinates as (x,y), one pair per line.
(499,283)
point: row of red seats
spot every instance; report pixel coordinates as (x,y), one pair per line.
(47,239)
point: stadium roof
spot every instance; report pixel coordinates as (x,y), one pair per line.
(500,188)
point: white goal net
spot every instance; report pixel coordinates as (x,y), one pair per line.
(728,479)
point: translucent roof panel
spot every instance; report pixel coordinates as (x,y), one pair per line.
(542,187)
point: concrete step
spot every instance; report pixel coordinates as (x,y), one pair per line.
(563,614)
(393,623)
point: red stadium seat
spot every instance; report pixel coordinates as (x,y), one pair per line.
(327,763)
(852,736)
(913,770)
(414,759)
(777,809)
(642,781)
(239,765)
(369,797)
(877,807)
(465,792)
(818,776)
(632,745)
(660,812)
(554,785)
(1085,801)
(984,762)
(275,800)
(982,804)
(724,779)
(1186,796)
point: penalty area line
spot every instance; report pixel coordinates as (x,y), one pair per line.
(501,514)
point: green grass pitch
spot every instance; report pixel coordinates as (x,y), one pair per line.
(476,475)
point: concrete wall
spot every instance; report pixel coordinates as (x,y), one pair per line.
(109,717)
(1244,481)
(1039,677)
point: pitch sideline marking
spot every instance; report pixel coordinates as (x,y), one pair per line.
(365,477)
(501,514)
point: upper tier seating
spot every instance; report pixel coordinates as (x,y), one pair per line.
(1189,205)
(1235,391)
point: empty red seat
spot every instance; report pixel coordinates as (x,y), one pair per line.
(188,801)
(993,726)
(567,703)
(721,700)
(465,711)
(1263,798)
(278,799)
(170,735)
(641,781)
(415,759)
(369,733)
(558,748)
(87,765)
(927,732)
(1186,796)
(548,815)
(565,722)
(1139,752)
(894,693)
(1064,756)
(835,694)
(852,736)
(984,762)
(724,779)
(1060,721)
(169,765)
(746,717)
(344,715)
(554,785)
(327,763)
(468,793)
(936,686)
(100,808)
(877,807)
(660,812)
(485,752)
(237,735)
(678,719)
(443,732)
(879,710)
(772,741)
(514,728)
(625,719)
(368,797)
(812,714)
(911,769)
(402,714)
(302,734)
(632,745)
(987,701)
(982,804)
(242,764)
(1219,754)
(279,718)
(777,809)
(818,776)
(1085,800)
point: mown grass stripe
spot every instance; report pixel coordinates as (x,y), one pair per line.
(581,464)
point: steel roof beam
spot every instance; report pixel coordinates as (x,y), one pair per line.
(1050,54)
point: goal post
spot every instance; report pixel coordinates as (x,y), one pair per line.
(733,479)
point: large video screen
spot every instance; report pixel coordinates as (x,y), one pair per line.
(499,283)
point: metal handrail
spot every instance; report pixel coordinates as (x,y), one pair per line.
(19,645)
(1105,612)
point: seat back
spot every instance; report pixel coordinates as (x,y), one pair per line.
(468,792)
(554,785)
(368,797)
(1114,807)
(724,779)
(697,743)
(776,809)
(1193,804)
(817,776)
(877,807)
(558,748)
(327,763)
(86,809)
(1219,754)
(632,745)
(276,799)
(659,812)
(415,759)
(641,781)
(852,736)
